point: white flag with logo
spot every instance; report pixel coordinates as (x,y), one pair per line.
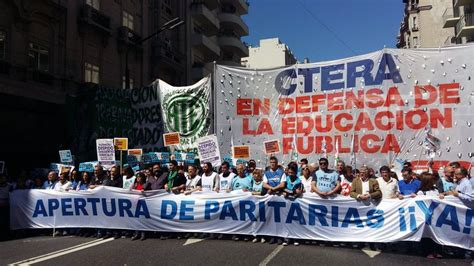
(186,110)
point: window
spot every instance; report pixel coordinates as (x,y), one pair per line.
(3,37)
(39,57)
(127,20)
(130,82)
(415,26)
(415,42)
(94,3)
(91,73)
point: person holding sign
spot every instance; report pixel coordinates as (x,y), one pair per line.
(273,176)
(209,179)
(225,178)
(327,182)
(176,181)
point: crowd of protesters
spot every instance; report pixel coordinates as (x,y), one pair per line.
(290,181)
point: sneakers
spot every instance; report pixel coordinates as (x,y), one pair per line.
(285,243)
(262,240)
(246,239)
(296,243)
(272,241)
(279,241)
(135,237)
(220,237)
(255,240)
(235,238)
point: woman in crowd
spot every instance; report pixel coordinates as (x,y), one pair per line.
(140,186)
(306,179)
(428,188)
(84,183)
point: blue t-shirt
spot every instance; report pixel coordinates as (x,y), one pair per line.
(293,185)
(447,186)
(242,183)
(274,177)
(326,181)
(407,189)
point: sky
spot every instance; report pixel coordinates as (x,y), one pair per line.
(324,30)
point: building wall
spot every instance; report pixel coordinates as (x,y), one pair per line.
(270,53)
(33,101)
(423,24)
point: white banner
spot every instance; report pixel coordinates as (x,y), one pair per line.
(208,150)
(370,109)
(446,221)
(186,110)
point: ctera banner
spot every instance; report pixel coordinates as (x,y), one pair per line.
(186,110)
(446,221)
(370,109)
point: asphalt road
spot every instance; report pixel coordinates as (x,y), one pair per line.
(46,250)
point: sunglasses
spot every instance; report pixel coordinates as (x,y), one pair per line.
(323,163)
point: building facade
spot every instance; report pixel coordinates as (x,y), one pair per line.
(271,53)
(52,50)
(435,23)
(460,17)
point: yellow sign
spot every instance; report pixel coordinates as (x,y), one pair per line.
(121,144)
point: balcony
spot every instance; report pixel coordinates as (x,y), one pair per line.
(450,18)
(166,55)
(241,6)
(234,45)
(206,18)
(128,36)
(93,17)
(210,4)
(234,21)
(206,45)
(465,26)
(462,2)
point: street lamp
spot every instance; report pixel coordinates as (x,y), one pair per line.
(172,24)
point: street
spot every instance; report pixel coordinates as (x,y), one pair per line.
(71,250)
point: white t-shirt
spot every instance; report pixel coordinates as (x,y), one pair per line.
(365,186)
(62,187)
(225,182)
(208,183)
(306,183)
(389,189)
(192,183)
(128,183)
